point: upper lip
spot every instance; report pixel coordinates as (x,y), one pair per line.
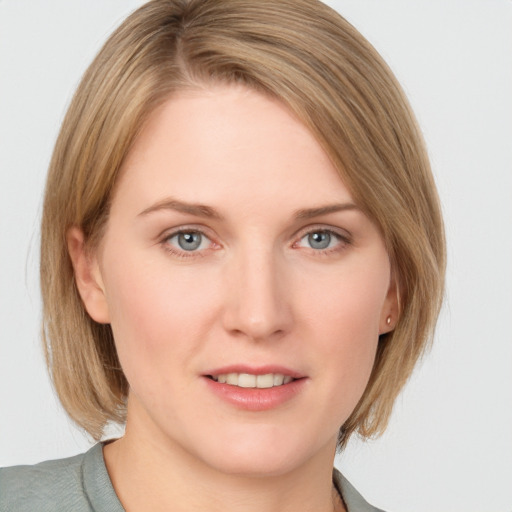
(255,370)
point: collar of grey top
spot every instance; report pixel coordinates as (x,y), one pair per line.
(354,502)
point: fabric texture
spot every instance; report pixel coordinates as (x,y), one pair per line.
(82,484)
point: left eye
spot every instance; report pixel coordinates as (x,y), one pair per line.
(320,240)
(189,241)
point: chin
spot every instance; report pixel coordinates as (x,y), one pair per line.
(255,465)
(262,452)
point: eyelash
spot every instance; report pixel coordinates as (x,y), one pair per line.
(344,240)
(182,253)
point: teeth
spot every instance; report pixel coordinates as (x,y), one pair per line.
(278,379)
(232,378)
(265,381)
(246,380)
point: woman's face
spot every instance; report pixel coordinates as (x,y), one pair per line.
(234,251)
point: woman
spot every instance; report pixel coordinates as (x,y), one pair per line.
(242,258)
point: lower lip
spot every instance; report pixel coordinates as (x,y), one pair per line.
(256,399)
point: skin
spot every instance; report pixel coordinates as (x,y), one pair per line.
(256,291)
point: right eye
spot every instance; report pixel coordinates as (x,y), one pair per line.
(188,241)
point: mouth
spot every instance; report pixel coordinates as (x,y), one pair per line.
(253,388)
(248,380)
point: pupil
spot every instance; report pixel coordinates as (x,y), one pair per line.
(189,241)
(319,240)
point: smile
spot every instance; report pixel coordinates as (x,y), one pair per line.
(247,380)
(255,389)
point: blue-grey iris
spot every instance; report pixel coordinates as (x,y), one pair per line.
(189,241)
(319,239)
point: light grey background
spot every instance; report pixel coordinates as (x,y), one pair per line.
(449,444)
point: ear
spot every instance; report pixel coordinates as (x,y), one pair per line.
(87,276)
(391,308)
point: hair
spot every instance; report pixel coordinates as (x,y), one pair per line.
(305,55)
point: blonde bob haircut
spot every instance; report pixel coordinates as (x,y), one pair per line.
(307,56)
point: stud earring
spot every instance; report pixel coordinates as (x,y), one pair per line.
(388,320)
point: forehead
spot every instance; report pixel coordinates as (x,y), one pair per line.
(225,142)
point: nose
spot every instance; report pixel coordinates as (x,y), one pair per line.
(258,302)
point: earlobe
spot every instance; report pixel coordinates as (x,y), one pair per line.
(391,310)
(87,276)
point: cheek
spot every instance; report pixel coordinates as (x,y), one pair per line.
(158,316)
(349,302)
(343,315)
(350,336)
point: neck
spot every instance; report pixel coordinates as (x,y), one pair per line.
(152,475)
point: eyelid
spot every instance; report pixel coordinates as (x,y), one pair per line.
(185,228)
(343,234)
(343,238)
(169,233)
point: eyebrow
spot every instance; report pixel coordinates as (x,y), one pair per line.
(196,209)
(310,213)
(201,210)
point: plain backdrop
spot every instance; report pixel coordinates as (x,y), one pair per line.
(449,444)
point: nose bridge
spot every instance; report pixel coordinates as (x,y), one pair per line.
(258,305)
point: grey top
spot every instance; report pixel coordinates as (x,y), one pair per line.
(82,484)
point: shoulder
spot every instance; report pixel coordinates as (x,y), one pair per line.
(353,500)
(50,486)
